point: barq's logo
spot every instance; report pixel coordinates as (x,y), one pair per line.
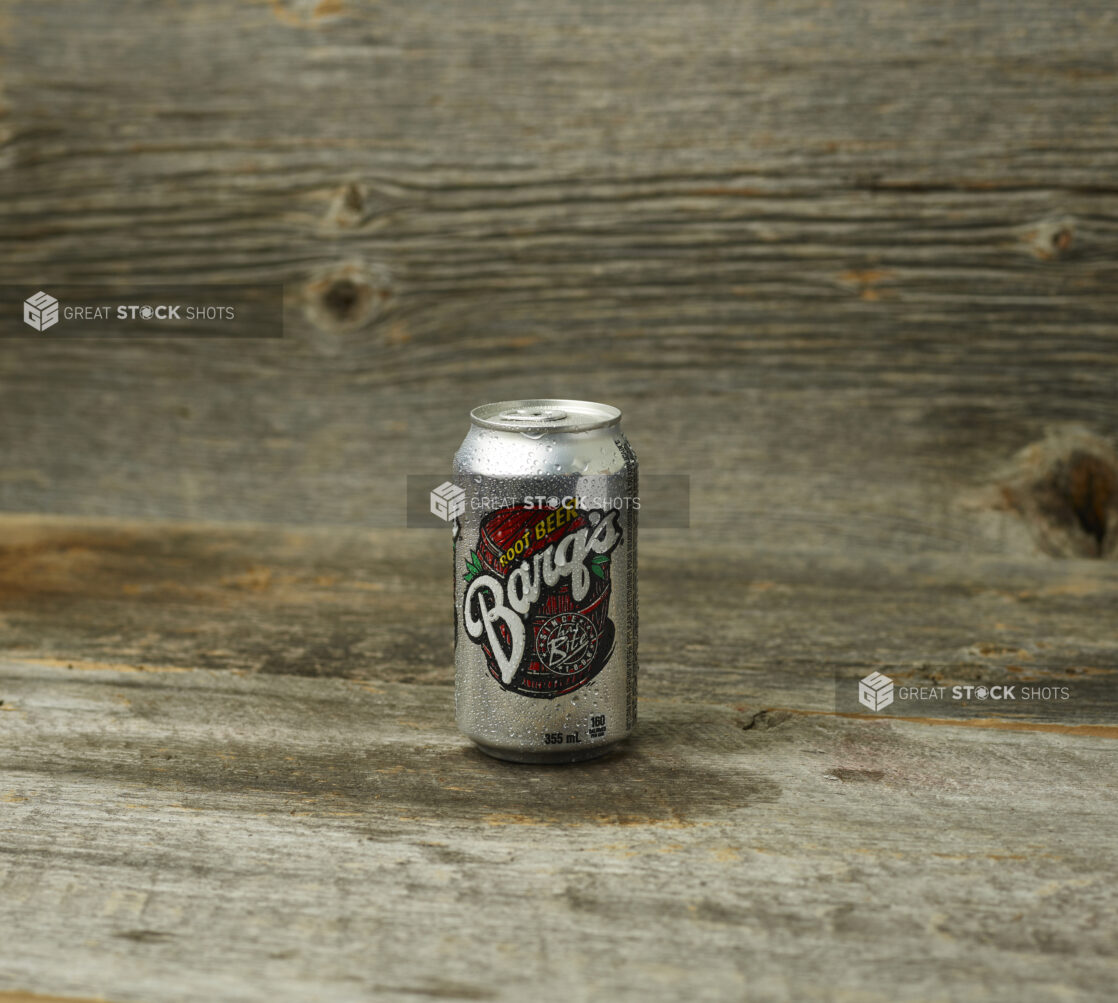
(496,612)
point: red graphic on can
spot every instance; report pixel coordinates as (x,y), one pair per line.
(561,558)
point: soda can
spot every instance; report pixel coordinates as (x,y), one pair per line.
(545,581)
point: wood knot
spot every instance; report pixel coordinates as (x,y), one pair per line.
(1050,238)
(350,206)
(765,719)
(347,298)
(1066,489)
(1087,485)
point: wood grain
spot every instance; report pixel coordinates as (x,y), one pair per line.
(866,256)
(183,775)
(727,621)
(336,838)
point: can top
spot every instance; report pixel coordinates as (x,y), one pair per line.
(544,415)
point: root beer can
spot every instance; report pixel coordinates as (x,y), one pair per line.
(545,580)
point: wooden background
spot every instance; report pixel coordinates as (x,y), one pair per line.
(837,264)
(854,268)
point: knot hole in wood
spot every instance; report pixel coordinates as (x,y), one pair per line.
(1051,238)
(347,298)
(1066,489)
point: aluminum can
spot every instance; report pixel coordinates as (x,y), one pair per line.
(545,580)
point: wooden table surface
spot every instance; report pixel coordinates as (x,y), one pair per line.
(852,268)
(230,770)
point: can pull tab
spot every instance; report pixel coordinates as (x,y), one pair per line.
(532,415)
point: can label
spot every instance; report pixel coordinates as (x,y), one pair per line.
(536,596)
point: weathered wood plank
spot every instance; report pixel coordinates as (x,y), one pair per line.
(722,620)
(331,837)
(871,255)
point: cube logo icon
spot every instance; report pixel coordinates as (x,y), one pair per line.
(875,691)
(40,311)
(448,501)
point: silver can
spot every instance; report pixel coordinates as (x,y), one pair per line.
(545,580)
